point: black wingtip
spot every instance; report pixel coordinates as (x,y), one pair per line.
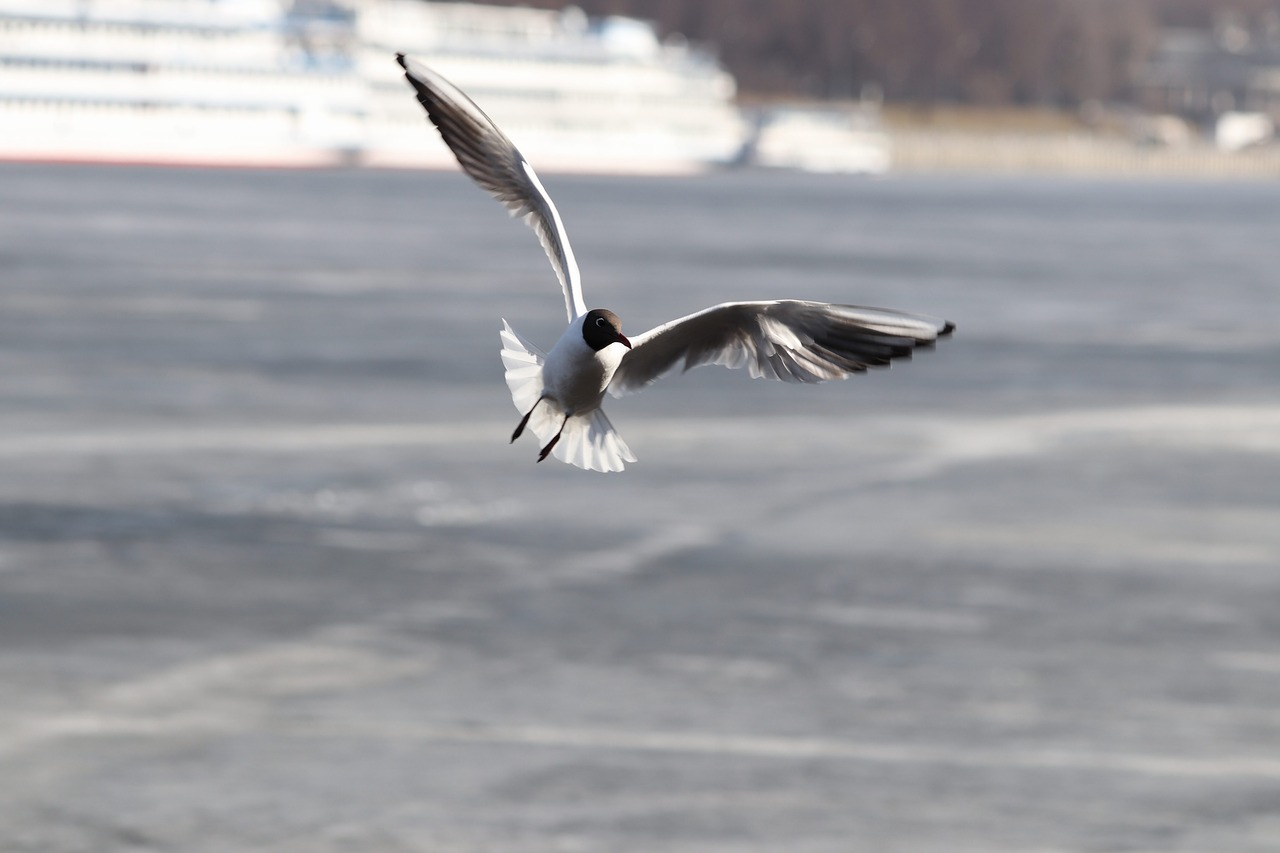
(404,63)
(947,329)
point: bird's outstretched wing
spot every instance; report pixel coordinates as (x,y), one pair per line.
(787,339)
(493,162)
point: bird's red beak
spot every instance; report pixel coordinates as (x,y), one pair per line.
(622,339)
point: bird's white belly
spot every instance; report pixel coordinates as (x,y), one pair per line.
(577,391)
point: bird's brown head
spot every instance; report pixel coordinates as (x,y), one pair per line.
(602,327)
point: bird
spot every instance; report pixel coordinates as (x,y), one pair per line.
(559,394)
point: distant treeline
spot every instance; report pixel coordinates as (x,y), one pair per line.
(1049,52)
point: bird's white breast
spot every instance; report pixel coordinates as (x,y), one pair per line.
(576,375)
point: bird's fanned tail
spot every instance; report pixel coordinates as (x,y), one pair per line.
(591,442)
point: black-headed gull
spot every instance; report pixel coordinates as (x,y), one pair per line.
(559,393)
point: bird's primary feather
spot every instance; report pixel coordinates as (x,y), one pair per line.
(489,157)
(790,340)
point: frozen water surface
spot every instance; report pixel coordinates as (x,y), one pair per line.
(272,579)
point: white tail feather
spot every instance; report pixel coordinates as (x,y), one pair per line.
(523,362)
(588,441)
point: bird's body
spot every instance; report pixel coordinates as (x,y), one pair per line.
(576,376)
(560,393)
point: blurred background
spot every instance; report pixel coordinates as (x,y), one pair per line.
(1173,87)
(273,579)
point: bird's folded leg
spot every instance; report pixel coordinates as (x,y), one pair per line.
(552,443)
(525,420)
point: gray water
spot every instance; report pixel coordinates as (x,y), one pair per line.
(272,578)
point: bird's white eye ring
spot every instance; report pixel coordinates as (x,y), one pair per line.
(600,321)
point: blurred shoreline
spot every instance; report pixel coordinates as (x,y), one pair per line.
(1073,154)
(1102,142)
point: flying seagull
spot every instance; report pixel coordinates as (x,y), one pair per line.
(559,393)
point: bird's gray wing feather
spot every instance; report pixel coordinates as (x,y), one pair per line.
(493,162)
(787,339)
